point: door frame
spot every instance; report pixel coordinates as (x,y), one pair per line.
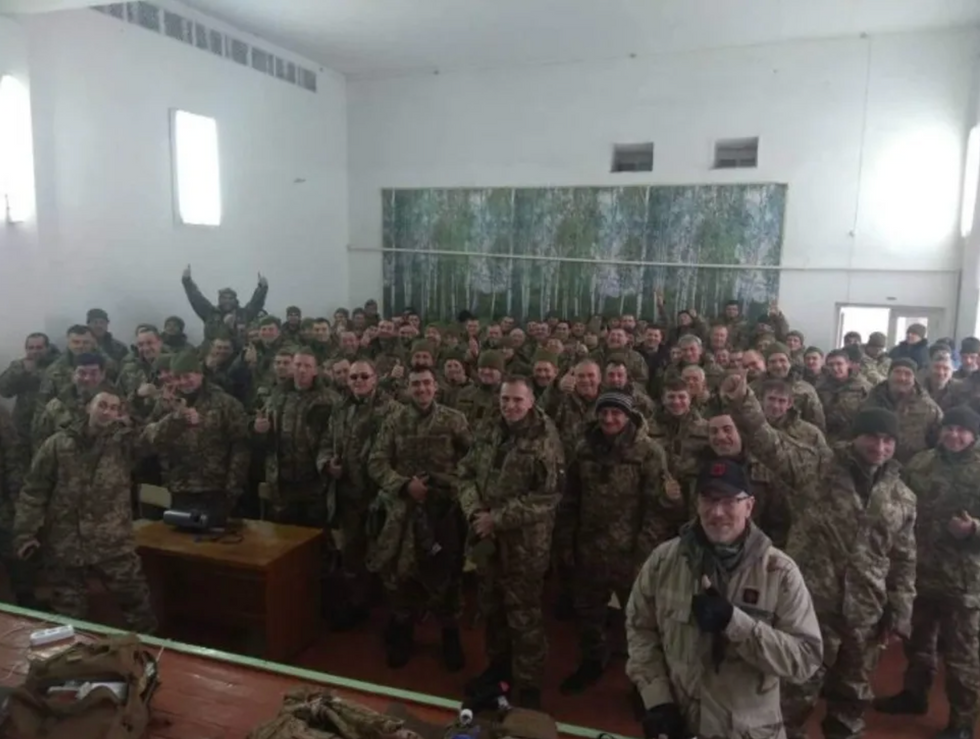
(935,315)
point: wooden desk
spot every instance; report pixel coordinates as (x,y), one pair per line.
(260,596)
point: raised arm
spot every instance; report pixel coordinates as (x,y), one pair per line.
(201,305)
(257,301)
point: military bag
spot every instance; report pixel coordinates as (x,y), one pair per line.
(46,706)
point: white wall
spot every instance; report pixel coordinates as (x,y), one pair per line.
(102,94)
(23,262)
(860,129)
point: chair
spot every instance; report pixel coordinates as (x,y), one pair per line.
(153,495)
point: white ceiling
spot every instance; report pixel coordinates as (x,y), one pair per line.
(362,37)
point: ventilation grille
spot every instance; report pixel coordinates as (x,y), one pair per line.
(737,154)
(153,18)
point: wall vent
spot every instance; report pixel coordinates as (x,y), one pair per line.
(632,158)
(175,26)
(737,153)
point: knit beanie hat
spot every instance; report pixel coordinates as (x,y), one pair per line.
(777,348)
(964,416)
(422,346)
(491,360)
(227,291)
(797,334)
(176,320)
(905,362)
(270,321)
(185,363)
(875,421)
(95,313)
(970,345)
(542,356)
(163,363)
(877,339)
(813,350)
(615,399)
(854,353)
(456,354)
(918,329)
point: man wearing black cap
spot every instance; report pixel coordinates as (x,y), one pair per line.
(98,321)
(918,415)
(947,601)
(853,537)
(173,335)
(969,357)
(214,316)
(291,329)
(720,589)
(616,508)
(915,346)
(843,390)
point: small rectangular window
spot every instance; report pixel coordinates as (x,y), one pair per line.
(197,174)
(239,51)
(217,42)
(737,153)
(632,158)
(173,25)
(200,36)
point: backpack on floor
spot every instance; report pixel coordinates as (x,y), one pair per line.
(34,711)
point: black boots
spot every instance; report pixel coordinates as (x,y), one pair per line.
(565,606)
(905,703)
(489,679)
(452,650)
(399,642)
(587,675)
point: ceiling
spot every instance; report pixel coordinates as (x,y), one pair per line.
(367,37)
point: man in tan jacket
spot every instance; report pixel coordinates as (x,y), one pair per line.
(717,617)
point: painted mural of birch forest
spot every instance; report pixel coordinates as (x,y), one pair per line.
(699,225)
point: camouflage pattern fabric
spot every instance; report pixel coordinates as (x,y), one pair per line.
(842,401)
(918,419)
(213,318)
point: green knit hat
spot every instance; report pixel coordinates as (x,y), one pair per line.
(456,354)
(777,348)
(542,356)
(185,363)
(422,346)
(491,360)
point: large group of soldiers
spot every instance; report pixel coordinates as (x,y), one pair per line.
(559,448)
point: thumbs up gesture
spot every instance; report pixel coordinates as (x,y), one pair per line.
(398,371)
(262,423)
(712,610)
(567,383)
(962,525)
(672,489)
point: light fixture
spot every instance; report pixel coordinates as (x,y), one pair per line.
(971,179)
(16,151)
(197,175)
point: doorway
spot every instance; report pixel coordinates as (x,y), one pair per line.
(892,321)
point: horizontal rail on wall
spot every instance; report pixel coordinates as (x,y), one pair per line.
(629,263)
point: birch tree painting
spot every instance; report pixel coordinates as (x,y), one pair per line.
(580,251)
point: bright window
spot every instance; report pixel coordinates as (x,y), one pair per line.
(197,175)
(16,151)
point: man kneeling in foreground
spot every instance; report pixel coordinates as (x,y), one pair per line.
(717,617)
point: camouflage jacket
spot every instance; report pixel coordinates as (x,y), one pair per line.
(738,332)
(480,404)
(641,401)
(209,457)
(113,348)
(300,421)
(58,414)
(797,428)
(451,393)
(684,439)
(76,499)
(853,535)
(636,365)
(773,635)
(951,395)
(516,475)
(14,461)
(59,376)
(214,319)
(806,402)
(571,417)
(354,427)
(841,403)
(16,382)
(945,485)
(415,443)
(919,419)
(875,370)
(614,510)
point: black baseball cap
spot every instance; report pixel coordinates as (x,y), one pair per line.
(723,477)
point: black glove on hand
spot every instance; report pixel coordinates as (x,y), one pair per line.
(712,611)
(664,720)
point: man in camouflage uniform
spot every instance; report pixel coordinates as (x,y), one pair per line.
(221,369)
(98,321)
(875,362)
(918,415)
(805,400)
(294,322)
(60,373)
(853,539)
(354,426)
(697,387)
(70,405)
(777,404)
(722,613)
(202,439)
(738,327)
(14,461)
(228,310)
(947,601)
(137,377)
(22,380)
(843,391)
(938,382)
(682,433)
(420,550)
(545,371)
(692,352)
(455,379)
(74,510)
(617,378)
(616,343)
(616,508)
(480,401)
(510,485)
(174,337)
(813,365)
(572,403)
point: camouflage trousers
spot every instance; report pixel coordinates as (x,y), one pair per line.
(352,522)
(844,680)
(410,597)
(955,627)
(122,576)
(592,610)
(511,604)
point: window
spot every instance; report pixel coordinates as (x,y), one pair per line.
(197,176)
(737,153)
(971,180)
(632,158)
(863,319)
(16,151)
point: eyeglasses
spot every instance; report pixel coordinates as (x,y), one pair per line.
(360,377)
(726,504)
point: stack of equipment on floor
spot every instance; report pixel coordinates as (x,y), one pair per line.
(99,690)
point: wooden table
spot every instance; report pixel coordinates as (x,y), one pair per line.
(259,595)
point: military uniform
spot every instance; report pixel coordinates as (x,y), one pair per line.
(773,635)
(514,473)
(875,369)
(685,440)
(636,365)
(17,382)
(69,407)
(797,428)
(76,502)
(480,404)
(918,418)
(841,403)
(211,315)
(60,375)
(946,397)
(853,539)
(14,461)
(806,403)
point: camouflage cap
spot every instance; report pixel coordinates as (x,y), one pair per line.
(877,339)
(777,348)
(491,360)
(163,363)
(185,363)
(544,356)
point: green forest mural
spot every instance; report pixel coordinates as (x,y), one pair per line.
(495,235)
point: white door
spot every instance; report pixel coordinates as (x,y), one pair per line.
(864,319)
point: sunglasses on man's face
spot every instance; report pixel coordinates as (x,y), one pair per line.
(361,377)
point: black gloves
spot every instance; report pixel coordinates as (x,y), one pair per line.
(712,611)
(666,720)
